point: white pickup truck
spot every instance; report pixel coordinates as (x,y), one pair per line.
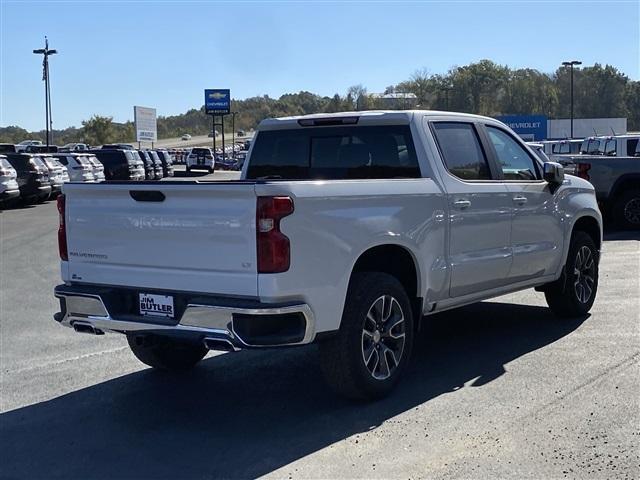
(344,229)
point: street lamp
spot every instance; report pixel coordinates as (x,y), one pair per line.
(45,52)
(571,64)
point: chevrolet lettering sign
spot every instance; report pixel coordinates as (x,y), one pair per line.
(217,101)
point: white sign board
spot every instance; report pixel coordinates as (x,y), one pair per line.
(146,125)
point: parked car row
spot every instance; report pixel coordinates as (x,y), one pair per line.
(28,177)
(36,177)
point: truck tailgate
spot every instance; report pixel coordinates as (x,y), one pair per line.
(185,236)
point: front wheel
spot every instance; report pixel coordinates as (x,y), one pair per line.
(368,355)
(166,353)
(574,296)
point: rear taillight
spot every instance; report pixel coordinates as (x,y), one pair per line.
(62,229)
(272,245)
(582,170)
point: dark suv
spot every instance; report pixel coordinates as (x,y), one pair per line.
(33,177)
(165,158)
(120,164)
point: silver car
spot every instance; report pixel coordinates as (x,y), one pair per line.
(98,168)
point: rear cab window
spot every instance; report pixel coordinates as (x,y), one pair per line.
(343,152)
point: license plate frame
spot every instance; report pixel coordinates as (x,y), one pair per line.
(152,304)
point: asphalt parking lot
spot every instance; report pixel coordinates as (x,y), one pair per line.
(499,389)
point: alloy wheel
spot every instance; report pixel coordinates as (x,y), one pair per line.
(584,271)
(632,211)
(383,337)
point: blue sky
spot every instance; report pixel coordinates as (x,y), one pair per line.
(114,55)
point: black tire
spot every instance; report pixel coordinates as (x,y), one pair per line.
(566,297)
(342,356)
(166,353)
(626,210)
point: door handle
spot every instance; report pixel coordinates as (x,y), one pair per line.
(462,203)
(520,200)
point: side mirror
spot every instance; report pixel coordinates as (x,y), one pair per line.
(553,173)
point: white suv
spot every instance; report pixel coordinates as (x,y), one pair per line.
(8,181)
(98,168)
(78,166)
(201,158)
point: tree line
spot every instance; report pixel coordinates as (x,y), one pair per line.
(484,88)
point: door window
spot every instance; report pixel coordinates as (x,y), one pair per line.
(515,161)
(461,150)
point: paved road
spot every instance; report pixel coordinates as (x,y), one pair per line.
(497,389)
(195,141)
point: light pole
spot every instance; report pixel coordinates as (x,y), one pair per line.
(233,133)
(45,52)
(571,64)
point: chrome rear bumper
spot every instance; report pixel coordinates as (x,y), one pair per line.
(89,313)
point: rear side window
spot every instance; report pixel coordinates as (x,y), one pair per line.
(561,148)
(106,158)
(358,152)
(610,148)
(461,150)
(515,161)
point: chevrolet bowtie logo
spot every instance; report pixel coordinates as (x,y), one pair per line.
(217,95)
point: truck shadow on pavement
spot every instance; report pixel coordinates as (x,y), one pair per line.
(246,414)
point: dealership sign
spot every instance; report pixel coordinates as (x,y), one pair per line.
(217,101)
(529,127)
(146,124)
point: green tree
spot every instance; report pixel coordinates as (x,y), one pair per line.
(98,130)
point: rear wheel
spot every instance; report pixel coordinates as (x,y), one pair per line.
(574,296)
(626,210)
(166,353)
(367,357)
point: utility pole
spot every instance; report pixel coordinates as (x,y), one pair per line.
(233,133)
(45,52)
(571,64)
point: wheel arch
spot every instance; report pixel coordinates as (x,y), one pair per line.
(623,183)
(399,262)
(591,225)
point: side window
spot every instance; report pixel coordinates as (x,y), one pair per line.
(632,147)
(515,161)
(610,148)
(461,150)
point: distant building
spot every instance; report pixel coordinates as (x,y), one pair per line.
(539,127)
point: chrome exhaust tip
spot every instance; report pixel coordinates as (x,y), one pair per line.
(83,327)
(220,344)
